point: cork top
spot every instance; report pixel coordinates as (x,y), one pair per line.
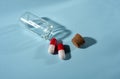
(78,40)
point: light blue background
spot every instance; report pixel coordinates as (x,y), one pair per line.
(23,55)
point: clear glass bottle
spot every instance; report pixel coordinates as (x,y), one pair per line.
(37,25)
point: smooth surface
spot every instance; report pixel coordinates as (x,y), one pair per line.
(23,55)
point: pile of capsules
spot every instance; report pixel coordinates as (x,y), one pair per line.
(77,40)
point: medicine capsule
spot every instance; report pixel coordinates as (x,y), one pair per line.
(61,52)
(51,48)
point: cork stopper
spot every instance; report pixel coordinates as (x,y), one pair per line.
(78,40)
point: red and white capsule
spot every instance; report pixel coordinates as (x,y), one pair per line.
(61,51)
(51,48)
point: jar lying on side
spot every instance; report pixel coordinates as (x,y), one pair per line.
(37,25)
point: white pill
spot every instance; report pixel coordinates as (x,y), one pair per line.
(51,49)
(61,54)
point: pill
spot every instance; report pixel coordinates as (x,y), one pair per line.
(51,48)
(61,52)
(78,40)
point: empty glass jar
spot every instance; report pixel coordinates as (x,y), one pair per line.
(37,25)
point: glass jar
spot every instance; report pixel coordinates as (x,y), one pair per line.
(37,25)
